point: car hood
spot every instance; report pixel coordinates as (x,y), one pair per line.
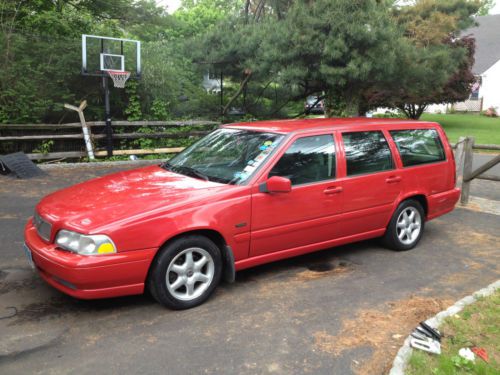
(105,200)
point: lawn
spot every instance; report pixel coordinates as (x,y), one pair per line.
(485,130)
(476,325)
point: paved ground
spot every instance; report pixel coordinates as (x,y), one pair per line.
(339,311)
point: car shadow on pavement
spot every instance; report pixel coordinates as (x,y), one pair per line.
(57,305)
(319,262)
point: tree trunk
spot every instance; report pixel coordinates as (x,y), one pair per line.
(420,111)
(363,107)
(353,101)
(243,84)
(334,104)
(413,111)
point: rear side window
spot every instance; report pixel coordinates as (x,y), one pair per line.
(366,152)
(418,146)
(309,159)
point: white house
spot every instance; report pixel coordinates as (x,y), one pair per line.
(486,92)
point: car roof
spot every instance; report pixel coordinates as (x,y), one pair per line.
(304,125)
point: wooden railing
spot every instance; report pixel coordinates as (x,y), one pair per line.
(71,134)
(464,156)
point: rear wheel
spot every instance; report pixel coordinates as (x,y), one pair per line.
(185,272)
(406,226)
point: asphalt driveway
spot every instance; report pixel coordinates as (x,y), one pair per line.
(339,311)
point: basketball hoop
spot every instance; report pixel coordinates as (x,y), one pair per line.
(119,78)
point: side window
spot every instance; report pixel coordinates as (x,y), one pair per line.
(418,146)
(366,152)
(308,159)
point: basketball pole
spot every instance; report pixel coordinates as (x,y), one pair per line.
(107,111)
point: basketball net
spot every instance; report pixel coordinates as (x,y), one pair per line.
(119,78)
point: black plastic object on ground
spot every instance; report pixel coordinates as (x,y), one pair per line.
(19,164)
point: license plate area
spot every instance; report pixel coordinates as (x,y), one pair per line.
(28,254)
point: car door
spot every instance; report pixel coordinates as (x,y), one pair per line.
(371,183)
(425,166)
(423,158)
(306,215)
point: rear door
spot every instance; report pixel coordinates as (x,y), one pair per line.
(426,168)
(423,157)
(371,181)
(309,213)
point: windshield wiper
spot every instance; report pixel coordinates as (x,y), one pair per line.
(166,166)
(197,173)
(189,171)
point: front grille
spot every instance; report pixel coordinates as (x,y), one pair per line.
(42,227)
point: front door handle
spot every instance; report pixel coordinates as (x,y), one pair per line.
(333,190)
(393,179)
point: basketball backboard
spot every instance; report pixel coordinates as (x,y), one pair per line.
(102,54)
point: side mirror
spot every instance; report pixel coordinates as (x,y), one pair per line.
(276,184)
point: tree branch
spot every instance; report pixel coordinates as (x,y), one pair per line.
(261,93)
(243,83)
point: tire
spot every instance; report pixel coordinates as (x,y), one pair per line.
(178,278)
(406,226)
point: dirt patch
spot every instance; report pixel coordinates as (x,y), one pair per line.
(478,242)
(292,282)
(320,270)
(8,216)
(92,339)
(483,205)
(483,250)
(473,265)
(382,330)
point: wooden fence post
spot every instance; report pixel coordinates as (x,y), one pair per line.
(467,169)
(459,160)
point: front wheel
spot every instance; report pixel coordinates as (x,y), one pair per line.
(185,272)
(406,226)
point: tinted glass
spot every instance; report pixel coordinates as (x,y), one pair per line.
(366,152)
(308,159)
(418,146)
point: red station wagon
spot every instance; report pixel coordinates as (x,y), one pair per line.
(244,195)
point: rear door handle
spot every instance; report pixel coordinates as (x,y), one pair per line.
(393,179)
(333,190)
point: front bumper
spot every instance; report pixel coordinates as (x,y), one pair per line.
(89,277)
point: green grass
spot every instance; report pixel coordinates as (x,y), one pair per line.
(476,325)
(485,130)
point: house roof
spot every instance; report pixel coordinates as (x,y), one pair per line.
(487,35)
(305,125)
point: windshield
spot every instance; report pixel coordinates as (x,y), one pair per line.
(229,156)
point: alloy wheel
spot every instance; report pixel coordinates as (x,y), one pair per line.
(408,225)
(190,274)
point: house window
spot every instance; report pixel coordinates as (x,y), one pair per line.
(474,95)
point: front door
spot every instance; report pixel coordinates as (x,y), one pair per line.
(308,214)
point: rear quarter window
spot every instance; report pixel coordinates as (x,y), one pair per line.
(418,146)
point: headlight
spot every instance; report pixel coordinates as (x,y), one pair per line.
(96,244)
